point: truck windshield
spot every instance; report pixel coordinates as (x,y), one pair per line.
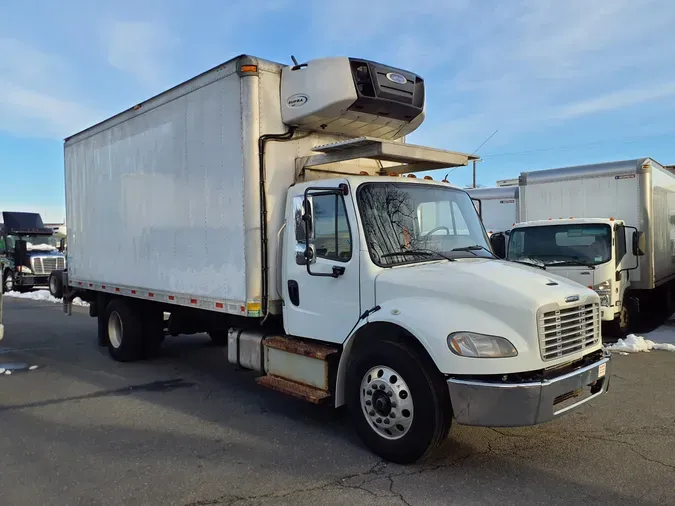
(406,223)
(33,242)
(582,244)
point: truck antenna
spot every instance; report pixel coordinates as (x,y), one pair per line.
(474,152)
(295,62)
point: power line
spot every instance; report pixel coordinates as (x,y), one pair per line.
(579,146)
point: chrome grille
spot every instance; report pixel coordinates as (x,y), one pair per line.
(45,265)
(569,330)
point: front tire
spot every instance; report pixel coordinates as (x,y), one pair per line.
(398,401)
(8,282)
(56,284)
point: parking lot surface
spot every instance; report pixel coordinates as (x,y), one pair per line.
(189,429)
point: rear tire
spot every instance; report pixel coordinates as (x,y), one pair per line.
(153,332)
(123,331)
(398,402)
(56,284)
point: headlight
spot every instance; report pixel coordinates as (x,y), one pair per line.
(24,269)
(468,344)
(604,290)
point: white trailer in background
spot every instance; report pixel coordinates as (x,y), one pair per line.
(498,208)
(262,203)
(609,226)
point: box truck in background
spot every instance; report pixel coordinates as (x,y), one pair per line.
(263,204)
(498,208)
(609,226)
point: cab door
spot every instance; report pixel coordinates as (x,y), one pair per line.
(321,269)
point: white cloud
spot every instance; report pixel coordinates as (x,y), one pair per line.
(140,48)
(34,93)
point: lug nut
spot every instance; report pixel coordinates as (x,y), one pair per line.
(390,393)
(368,403)
(392,415)
(386,421)
(382,387)
(371,412)
(379,420)
(369,392)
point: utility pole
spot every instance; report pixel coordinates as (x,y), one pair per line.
(474,173)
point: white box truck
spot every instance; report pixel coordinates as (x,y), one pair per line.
(609,226)
(262,203)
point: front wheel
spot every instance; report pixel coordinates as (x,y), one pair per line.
(56,284)
(8,282)
(398,402)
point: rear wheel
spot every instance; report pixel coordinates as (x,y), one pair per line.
(123,329)
(398,402)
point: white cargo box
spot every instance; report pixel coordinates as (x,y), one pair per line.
(498,207)
(163,200)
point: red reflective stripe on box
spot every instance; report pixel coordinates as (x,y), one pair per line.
(150,294)
(133,292)
(193,301)
(219,305)
(117,289)
(91,284)
(103,286)
(79,283)
(171,297)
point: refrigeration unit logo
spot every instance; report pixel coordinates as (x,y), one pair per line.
(396,78)
(297,100)
(510,201)
(625,176)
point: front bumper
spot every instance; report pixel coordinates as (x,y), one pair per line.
(32,280)
(519,404)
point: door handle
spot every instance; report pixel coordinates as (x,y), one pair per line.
(338,271)
(294,292)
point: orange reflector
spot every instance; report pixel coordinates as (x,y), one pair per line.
(117,289)
(242,309)
(171,297)
(193,301)
(393,174)
(611,219)
(137,107)
(412,176)
(571,217)
(249,68)
(219,305)
(428,178)
(363,173)
(444,181)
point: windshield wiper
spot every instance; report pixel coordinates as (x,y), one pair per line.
(571,262)
(529,264)
(417,252)
(473,249)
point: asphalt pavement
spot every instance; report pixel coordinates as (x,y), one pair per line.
(189,429)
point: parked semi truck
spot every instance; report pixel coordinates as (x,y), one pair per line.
(264,204)
(28,251)
(609,226)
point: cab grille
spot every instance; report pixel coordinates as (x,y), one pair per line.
(570,330)
(45,265)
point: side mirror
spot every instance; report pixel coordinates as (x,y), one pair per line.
(62,245)
(639,243)
(498,243)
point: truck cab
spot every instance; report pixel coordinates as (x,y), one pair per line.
(28,252)
(595,252)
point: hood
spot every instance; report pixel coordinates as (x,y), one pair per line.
(481,281)
(579,273)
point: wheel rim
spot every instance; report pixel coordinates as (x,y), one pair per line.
(9,283)
(52,285)
(386,402)
(115,329)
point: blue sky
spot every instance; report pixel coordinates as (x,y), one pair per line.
(564,82)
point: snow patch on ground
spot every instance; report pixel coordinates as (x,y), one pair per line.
(636,344)
(43,296)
